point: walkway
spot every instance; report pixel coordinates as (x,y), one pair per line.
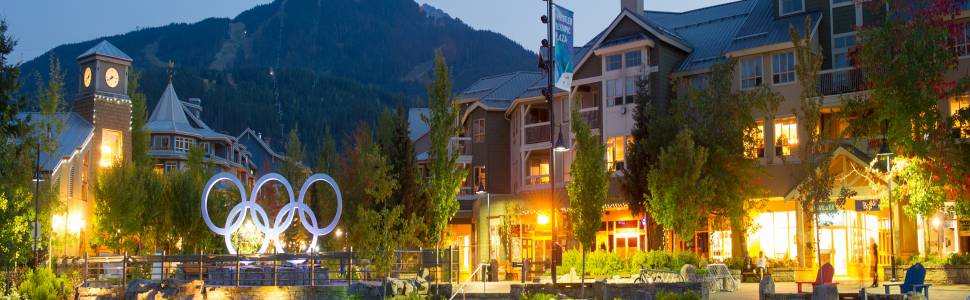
(750,290)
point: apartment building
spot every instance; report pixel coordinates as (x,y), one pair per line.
(680,48)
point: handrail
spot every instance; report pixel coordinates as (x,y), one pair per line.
(461,288)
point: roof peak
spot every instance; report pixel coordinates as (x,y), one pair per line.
(105,48)
(694,10)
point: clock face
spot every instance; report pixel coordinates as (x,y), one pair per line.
(111,77)
(87,77)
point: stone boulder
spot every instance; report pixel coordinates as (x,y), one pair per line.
(766,287)
(164,289)
(825,292)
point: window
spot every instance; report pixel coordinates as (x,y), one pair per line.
(170,166)
(182,144)
(538,171)
(751,72)
(478,130)
(206,148)
(631,90)
(756,148)
(787,7)
(481,180)
(840,50)
(621,91)
(616,152)
(537,115)
(836,3)
(961,40)
(161,142)
(633,58)
(699,81)
(786,136)
(614,62)
(776,234)
(961,105)
(111,147)
(783,68)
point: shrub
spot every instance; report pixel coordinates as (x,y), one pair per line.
(572,259)
(41,283)
(957,259)
(734,263)
(683,258)
(688,295)
(538,296)
(604,263)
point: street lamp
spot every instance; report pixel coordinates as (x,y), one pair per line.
(885,152)
(488,219)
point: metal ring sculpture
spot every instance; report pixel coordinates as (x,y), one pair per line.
(271,231)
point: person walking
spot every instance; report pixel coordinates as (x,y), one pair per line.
(874,249)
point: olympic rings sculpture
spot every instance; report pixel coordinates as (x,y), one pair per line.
(239,213)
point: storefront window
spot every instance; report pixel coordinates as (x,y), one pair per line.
(776,234)
(111,147)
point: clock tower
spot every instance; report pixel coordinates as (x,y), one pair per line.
(103,100)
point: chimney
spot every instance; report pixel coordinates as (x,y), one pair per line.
(633,5)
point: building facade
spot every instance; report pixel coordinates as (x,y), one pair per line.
(673,51)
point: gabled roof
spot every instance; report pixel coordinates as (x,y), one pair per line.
(416,125)
(74,135)
(498,92)
(249,133)
(104,48)
(170,116)
(761,28)
(710,30)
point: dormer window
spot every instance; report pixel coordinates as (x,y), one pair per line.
(787,7)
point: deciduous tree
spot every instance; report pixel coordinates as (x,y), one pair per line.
(444,174)
(589,186)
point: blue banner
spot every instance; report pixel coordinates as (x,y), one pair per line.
(563,51)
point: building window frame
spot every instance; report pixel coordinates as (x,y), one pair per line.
(756,150)
(786,136)
(961,46)
(478,130)
(847,41)
(752,72)
(613,62)
(162,142)
(183,144)
(633,58)
(481,178)
(783,68)
(958,103)
(841,3)
(782,8)
(616,154)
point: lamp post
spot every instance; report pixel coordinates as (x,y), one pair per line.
(884,151)
(548,65)
(488,219)
(38,177)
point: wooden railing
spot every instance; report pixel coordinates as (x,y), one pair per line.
(537,133)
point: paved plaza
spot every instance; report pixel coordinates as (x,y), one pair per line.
(750,290)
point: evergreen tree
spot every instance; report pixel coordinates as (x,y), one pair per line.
(589,186)
(140,137)
(16,210)
(292,167)
(444,174)
(323,200)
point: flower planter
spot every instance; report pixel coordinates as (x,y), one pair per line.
(953,274)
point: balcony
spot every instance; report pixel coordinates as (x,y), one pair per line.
(842,81)
(464,148)
(537,133)
(592,117)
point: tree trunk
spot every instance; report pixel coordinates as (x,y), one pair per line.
(738,241)
(582,276)
(655,236)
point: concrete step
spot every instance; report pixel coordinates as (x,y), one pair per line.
(483,296)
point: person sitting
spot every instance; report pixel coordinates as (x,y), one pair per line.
(762,265)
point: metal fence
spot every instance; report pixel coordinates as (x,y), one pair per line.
(311,269)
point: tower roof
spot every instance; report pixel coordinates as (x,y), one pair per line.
(104,48)
(170,116)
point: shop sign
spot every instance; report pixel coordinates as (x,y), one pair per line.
(867,205)
(825,207)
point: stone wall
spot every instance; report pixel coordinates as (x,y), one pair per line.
(936,275)
(602,290)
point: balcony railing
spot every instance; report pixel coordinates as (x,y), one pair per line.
(537,133)
(842,81)
(591,116)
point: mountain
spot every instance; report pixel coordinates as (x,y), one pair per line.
(336,62)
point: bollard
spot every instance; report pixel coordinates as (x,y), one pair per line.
(124,271)
(163,265)
(200,264)
(275,269)
(237,269)
(310,265)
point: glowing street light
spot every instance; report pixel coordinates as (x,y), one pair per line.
(542,219)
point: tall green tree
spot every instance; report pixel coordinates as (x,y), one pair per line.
(680,192)
(180,222)
(15,157)
(914,60)
(444,174)
(589,186)
(292,167)
(125,198)
(394,138)
(140,137)
(323,200)
(639,157)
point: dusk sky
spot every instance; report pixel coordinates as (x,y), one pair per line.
(39,25)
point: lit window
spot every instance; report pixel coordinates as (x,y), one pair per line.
(634,58)
(786,136)
(751,72)
(111,147)
(757,148)
(776,234)
(791,6)
(961,40)
(783,68)
(538,171)
(614,62)
(840,50)
(481,178)
(616,152)
(958,104)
